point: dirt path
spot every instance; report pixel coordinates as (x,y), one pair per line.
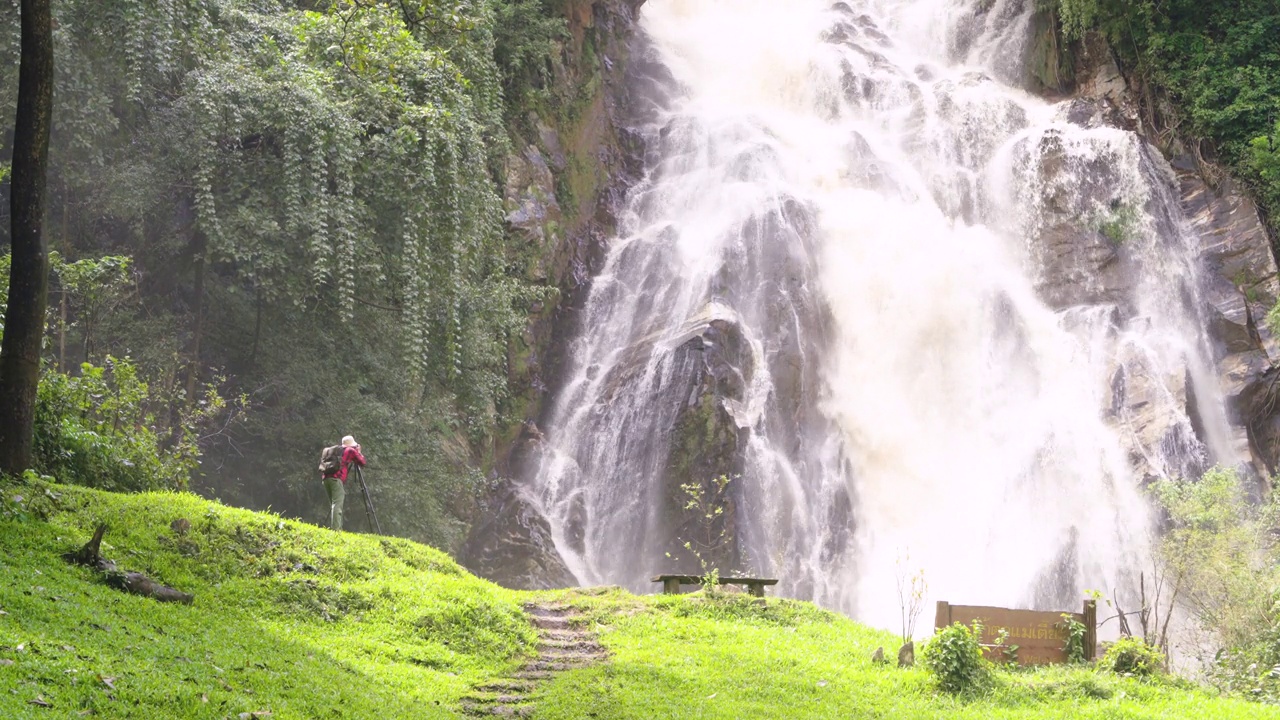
(560,647)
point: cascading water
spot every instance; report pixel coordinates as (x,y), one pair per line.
(938,317)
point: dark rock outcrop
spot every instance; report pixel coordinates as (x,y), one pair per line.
(561,197)
(706,443)
(512,542)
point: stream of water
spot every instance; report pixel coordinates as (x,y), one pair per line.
(956,325)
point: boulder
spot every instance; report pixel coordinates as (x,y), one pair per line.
(907,654)
(706,441)
(512,544)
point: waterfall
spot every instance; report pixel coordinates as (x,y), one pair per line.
(923,319)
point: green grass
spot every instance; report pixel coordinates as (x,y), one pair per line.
(307,623)
(697,657)
(289,618)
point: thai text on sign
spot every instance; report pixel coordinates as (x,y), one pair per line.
(1040,636)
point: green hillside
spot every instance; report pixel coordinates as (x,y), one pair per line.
(301,622)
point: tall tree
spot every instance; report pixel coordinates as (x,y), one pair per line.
(29,272)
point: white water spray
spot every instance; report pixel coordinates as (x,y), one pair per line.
(891,257)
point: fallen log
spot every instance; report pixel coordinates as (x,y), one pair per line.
(140,584)
(91,556)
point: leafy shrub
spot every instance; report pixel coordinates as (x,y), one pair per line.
(1221,558)
(107,428)
(1075,638)
(1133,656)
(954,657)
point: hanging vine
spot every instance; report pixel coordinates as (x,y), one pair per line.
(339,158)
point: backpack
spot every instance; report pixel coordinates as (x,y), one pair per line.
(330,460)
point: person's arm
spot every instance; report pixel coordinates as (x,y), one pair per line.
(356,457)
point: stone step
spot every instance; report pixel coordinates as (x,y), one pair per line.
(534,674)
(473,710)
(505,699)
(559,664)
(551,623)
(503,686)
(513,710)
(565,636)
(585,643)
(536,609)
(574,656)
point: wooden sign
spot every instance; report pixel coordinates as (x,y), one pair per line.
(1041,636)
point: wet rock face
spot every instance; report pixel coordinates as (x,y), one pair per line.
(533,214)
(561,196)
(1237,271)
(1084,267)
(1240,288)
(513,544)
(705,444)
(1076,260)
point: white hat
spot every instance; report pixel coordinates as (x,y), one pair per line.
(348,441)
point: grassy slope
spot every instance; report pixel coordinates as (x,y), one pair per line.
(311,624)
(288,617)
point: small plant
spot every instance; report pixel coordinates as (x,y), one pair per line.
(708,541)
(710,579)
(1133,656)
(1008,650)
(911,592)
(1076,630)
(954,657)
(1119,225)
(1273,318)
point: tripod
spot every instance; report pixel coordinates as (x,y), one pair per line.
(368,502)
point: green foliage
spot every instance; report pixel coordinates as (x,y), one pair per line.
(1008,650)
(90,289)
(1263,163)
(1272,318)
(309,194)
(1220,61)
(706,537)
(1221,554)
(1133,656)
(954,658)
(525,34)
(1119,225)
(1077,16)
(109,429)
(1074,646)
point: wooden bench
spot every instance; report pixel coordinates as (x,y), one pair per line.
(671,583)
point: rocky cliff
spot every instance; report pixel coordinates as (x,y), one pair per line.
(1235,252)
(563,190)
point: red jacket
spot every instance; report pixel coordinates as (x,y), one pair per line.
(349,455)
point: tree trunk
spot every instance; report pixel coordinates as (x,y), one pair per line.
(29,273)
(62,311)
(198,249)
